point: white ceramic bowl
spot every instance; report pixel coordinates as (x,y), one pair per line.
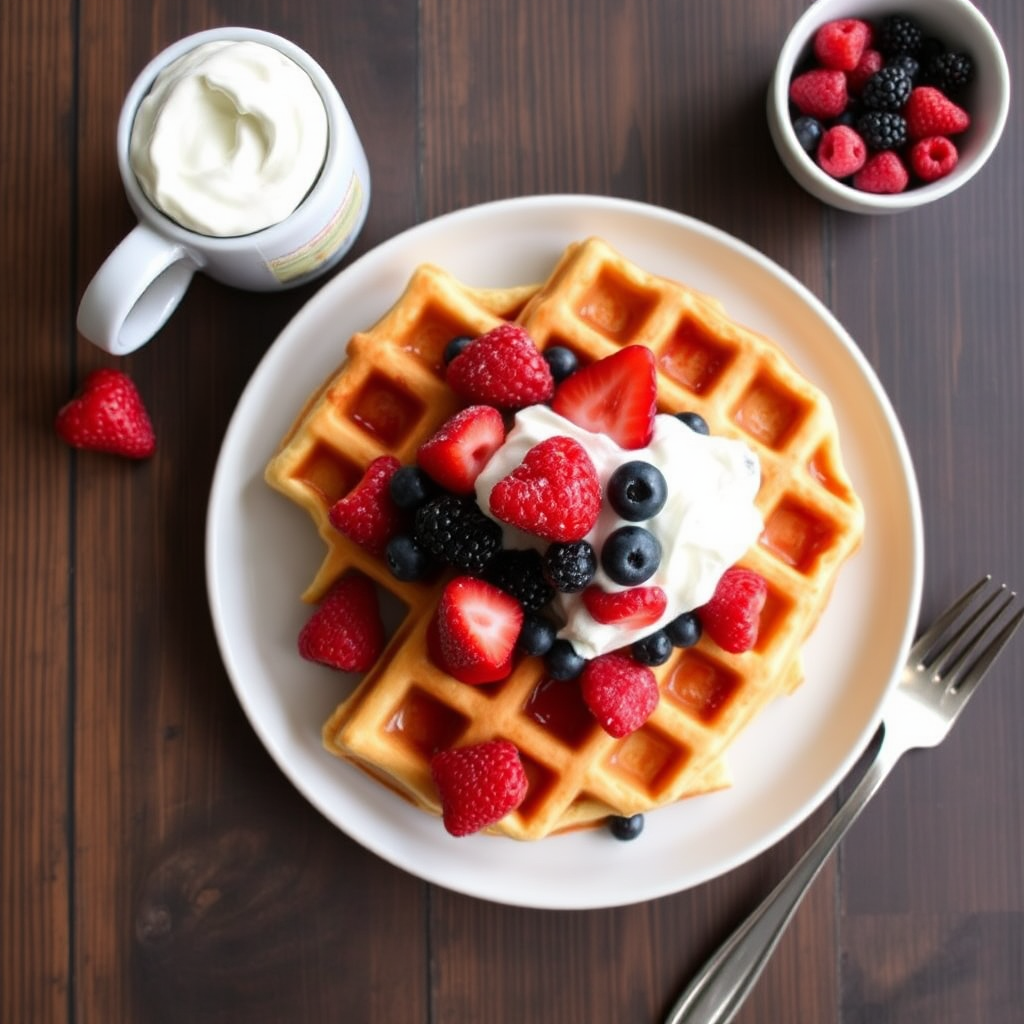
(961,26)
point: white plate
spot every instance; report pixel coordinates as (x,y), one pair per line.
(262,552)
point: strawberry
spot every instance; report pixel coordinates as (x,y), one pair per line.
(478,785)
(620,692)
(819,93)
(870,62)
(840,43)
(474,630)
(108,415)
(841,152)
(631,609)
(459,450)
(883,173)
(732,617)
(345,632)
(616,396)
(502,367)
(928,112)
(553,493)
(368,514)
(933,158)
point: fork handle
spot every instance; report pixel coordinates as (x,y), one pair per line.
(724,982)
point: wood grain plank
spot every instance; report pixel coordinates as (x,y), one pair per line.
(36,177)
(207,889)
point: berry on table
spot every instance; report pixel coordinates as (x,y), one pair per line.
(478,785)
(107,415)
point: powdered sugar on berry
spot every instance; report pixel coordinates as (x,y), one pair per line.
(708,522)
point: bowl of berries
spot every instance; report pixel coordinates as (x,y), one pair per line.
(880,106)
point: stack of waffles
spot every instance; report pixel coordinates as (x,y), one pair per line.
(390,396)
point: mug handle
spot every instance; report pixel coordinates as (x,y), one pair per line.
(135,290)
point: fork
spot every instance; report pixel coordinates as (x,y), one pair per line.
(941,673)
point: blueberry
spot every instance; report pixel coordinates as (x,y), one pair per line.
(653,649)
(630,555)
(410,487)
(637,491)
(809,131)
(570,566)
(684,630)
(694,421)
(626,828)
(455,346)
(561,361)
(536,636)
(562,661)
(406,559)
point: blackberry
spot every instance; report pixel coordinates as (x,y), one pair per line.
(520,572)
(950,72)
(569,567)
(454,530)
(899,34)
(887,89)
(911,65)
(882,129)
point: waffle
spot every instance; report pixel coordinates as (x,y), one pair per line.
(594,303)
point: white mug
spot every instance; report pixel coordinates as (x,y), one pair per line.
(142,281)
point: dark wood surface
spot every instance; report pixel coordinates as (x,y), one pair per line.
(156,866)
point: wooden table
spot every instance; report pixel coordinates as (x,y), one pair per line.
(131,780)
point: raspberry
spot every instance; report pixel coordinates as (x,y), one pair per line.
(630,609)
(502,367)
(884,173)
(732,617)
(819,93)
(840,44)
(928,113)
(870,62)
(368,514)
(478,785)
(933,158)
(346,631)
(620,693)
(553,493)
(842,152)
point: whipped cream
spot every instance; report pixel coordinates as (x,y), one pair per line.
(230,138)
(707,523)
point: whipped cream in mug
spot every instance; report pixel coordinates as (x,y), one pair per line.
(230,138)
(706,525)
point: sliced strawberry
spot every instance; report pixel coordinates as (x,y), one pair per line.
(553,493)
(732,618)
(620,693)
(108,415)
(502,367)
(478,785)
(368,514)
(459,450)
(346,631)
(631,609)
(475,629)
(616,396)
